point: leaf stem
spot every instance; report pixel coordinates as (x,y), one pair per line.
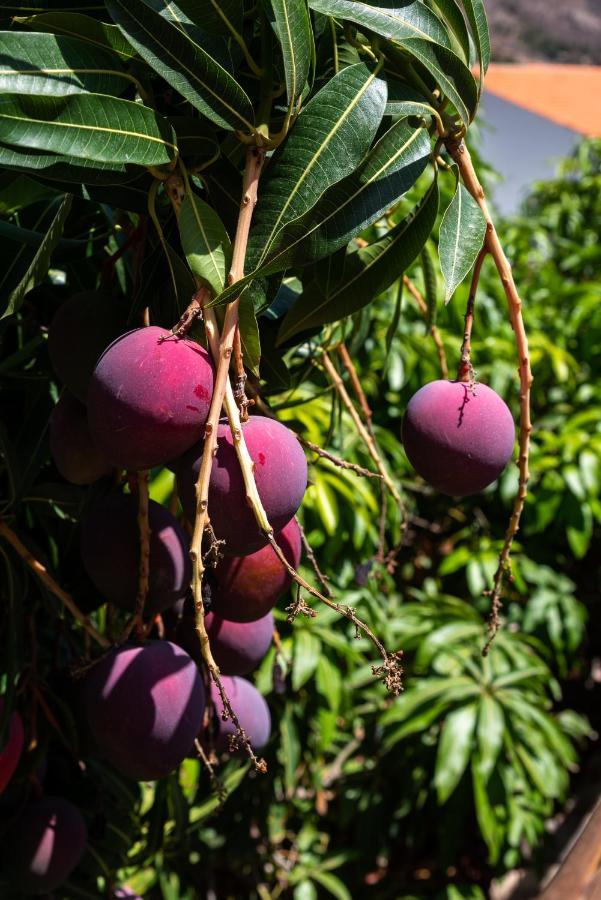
(434,332)
(465,370)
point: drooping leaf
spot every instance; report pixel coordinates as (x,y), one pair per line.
(307,649)
(88,126)
(404,100)
(54,65)
(215,45)
(398,23)
(390,169)
(490,827)
(451,13)
(74,24)
(476,14)
(215,16)
(462,233)
(367,272)
(451,73)
(491,725)
(249,335)
(295,35)
(41,261)
(454,749)
(331,135)
(205,241)
(186,66)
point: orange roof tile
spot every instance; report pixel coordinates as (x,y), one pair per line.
(566,94)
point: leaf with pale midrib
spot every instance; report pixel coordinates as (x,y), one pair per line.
(398,23)
(462,233)
(41,261)
(74,24)
(331,135)
(390,169)
(90,126)
(367,272)
(476,14)
(49,64)
(293,28)
(183,64)
(205,241)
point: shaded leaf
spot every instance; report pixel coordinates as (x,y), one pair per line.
(41,262)
(454,749)
(490,729)
(75,24)
(307,649)
(367,272)
(476,15)
(249,335)
(398,23)
(183,64)
(462,233)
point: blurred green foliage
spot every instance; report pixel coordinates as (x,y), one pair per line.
(430,794)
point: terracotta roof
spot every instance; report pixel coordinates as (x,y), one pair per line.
(569,95)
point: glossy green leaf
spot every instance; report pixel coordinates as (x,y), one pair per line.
(67,168)
(399,23)
(451,13)
(307,649)
(183,64)
(249,335)
(293,28)
(476,15)
(333,885)
(331,135)
(55,65)
(462,233)
(490,828)
(451,73)
(490,728)
(205,242)
(389,170)
(74,24)
(215,16)
(367,272)
(289,749)
(454,749)
(40,264)
(89,126)
(404,100)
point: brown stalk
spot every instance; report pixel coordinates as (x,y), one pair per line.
(361,428)
(349,365)
(461,156)
(434,332)
(240,378)
(49,582)
(336,460)
(465,370)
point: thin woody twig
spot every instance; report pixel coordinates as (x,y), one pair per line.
(216,782)
(336,460)
(323,579)
(434,332)
(357,387)
(240,378)
(461,156)
(49,582)
(361,428)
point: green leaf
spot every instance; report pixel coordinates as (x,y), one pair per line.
(391,168)
(491,726)
(74,24)
(367,272)
(490,827)
(56,66)
(476,15)
(183,64)
(454,749)
(403,100)
(289,750)
(398,23)
(330,137)
(451,73)
(462,233)
(215,16)
(331,883)
(307,649)
(452,15)
(295,35)
(205,242)
(249,335)
(41,262)
(88,126)
(329,682)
